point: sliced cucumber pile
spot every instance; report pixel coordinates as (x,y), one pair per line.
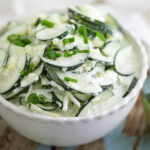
(123,61)
(10,74)
(70,63)
(59,31)
(93,104)
(66,64)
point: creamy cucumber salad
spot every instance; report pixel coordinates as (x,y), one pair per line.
(67,64)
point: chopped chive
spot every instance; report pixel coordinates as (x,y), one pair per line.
(67,41)
(25,40)
(82,51)
(82,30)
(75,51)
(58,55)
(19,43)
(51,54)
(68,54)
(42,99)
(26,72)
(98,34)
(22,72)
(30,68)
(13,37)
(47,23)
(52,47)
(33,98)
(18,40)
(70,79)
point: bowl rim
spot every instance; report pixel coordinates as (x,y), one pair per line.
(73,120)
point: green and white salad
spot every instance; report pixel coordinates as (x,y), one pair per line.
(67,64)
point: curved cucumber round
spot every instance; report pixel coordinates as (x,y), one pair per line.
(123,64)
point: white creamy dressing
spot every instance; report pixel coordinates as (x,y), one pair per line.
(79,43)
(86,67)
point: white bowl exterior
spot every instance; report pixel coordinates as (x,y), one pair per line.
(65,134)
(73,131)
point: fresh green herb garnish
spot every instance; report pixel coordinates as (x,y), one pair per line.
(25,40)
(68,54)
(81,51)
(75,51)
(47,23)
(69,40)
(18,40)
(70,79)
(22,72)
(51,54)
(42,99)
(30,68)
(82,30)
(33,98)
(98,34)
(26,72)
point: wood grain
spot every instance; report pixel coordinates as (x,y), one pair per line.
(11,140)
(96,145)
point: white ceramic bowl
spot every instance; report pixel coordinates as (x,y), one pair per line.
(74,131)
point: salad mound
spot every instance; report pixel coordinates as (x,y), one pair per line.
(69,64)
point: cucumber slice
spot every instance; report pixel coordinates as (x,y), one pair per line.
(82,97)
(107,78)
(32,77)
(88,66)
(99,69)
(110,20)
(67,63)
(12,24)
(14,93)
(124,61)
(45,82)
(35,52)
(95,54)
(91,23)
(6,59)
(10,75)
(89,83)
(93,105)
(51,75)
(131,86)
(58,99)
(3,57)
(110,48)
(85,83)
(91,12)
(50,106)
(58,31)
